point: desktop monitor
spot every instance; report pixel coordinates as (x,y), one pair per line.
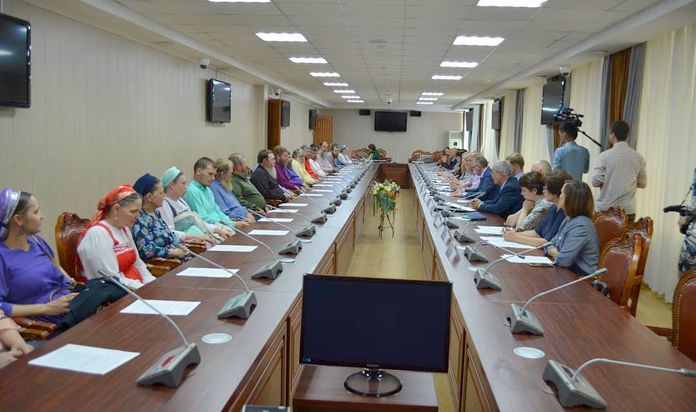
(375,324)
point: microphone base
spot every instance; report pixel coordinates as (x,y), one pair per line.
(462,237)
(239,306)
(307,232)
(524,322)
(452,223)
(291,248)
(319,219)
(336,202)
(485,280)
(330,210)
(269,271)
(169,369)
(473,255)
(447,213)
(343,196)
(572,393)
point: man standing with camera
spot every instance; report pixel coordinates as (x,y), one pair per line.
(619,172)
(571,157)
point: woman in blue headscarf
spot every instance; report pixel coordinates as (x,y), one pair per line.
(343,158)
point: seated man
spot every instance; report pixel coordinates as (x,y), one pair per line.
(325,158)
(245,191)
(284,174)
(543,167)
(517,162)
(200,197)
(264,178)
(222,189)
(298,161)
(486,188)
(509,198)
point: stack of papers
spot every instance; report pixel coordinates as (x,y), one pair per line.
(276,219)
(490,230)
(259,232)
(530,260)
(311,194)
(233,248)
(207,272)
(85,359)
(168,307)
(502,243)
(284,211)
(293,204)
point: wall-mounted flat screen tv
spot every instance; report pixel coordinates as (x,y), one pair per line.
(390,121)
(219,101)
(552,100)
(15,62)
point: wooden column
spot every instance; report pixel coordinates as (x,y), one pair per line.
(274,114)
(323,129)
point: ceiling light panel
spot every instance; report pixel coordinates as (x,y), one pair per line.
(424,102)
(346,91)
(308,60)
(433,99)
(510,3)
(324,74)
(351,97)
(239,1)
(331,84)
(446,77)
(282,37)
(466,65)
(432,94)
(356,101)
(477,41)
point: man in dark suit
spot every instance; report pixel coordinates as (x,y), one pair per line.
(264,178)
(509,197)
(486,188)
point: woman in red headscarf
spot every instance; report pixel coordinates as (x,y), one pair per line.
(107,243)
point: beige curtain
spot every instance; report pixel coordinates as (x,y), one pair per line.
(666,139)
(507,127)
(535,142)
(489,147)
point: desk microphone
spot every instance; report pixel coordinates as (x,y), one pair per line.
(474,255)
(331,209)
(293,247)
(308,231)
(486,280)
(524,321)
(169,369)
(461,236)
(269,270)
(574,390)
(239,306)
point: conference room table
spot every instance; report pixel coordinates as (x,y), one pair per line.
(579,324)
(259,365)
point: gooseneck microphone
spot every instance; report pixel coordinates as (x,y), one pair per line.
(169,369)
(329,210)
(574,390)
(269,270)
(306,232)
(239,306)
(293,247)
(486,280)
(524,321)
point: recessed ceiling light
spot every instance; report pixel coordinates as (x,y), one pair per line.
(424,102)
(356,101)
(329,84)
(351,97)
(445,77)
(289,37)
(510,3)
(325,74)
(467,65)
(308,60)
(345,91)
(239,1)
(432,94)
(477,41)
(433,99)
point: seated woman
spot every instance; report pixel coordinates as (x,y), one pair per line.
(343,158)
(576,245)
(12,346)
(107,245)
(535,205)
(179,217)
(548,228)
(31,283)
(374,153)
(297,163)
(222,190)
(153,238)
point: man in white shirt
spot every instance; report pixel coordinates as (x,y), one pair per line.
(619,172)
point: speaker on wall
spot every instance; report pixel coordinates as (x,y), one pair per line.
(364,112)
(312,118)
(415,113)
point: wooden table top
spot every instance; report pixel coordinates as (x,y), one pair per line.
(579,323)
(215,382)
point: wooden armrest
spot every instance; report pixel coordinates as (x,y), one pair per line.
(195,247)
(666,332)
(157,271)
(166,262)
(34,334)
(35,324)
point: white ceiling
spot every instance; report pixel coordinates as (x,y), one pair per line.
(388,48)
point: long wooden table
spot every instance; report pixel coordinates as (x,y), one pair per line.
(260,365)
(579,323)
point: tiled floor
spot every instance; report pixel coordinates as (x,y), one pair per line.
(400,257)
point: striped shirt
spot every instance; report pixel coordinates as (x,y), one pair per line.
(618,173)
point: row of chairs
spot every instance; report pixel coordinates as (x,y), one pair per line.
(364,152)
(434,155)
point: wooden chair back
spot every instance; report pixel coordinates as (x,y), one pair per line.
(360,153)
(684,315)
(610,224)
(417,154)
(68,228)
(643,228)
(436,155)
(621,257)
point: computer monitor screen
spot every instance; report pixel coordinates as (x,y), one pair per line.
(375,323)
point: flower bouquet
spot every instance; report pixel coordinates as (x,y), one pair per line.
(385,195)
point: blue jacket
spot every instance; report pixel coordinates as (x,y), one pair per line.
(578,245)
(508,200)
(486,186)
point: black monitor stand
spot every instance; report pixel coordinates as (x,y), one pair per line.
(373,382)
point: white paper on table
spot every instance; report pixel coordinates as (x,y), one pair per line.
(322,191)
(460,207)
(490,230)
(465,201)
(293,204)
(85,359)
(311,194)
(284,211)
(500,242)
(259,232)
(322,185)
(233,248)
(168,307)
(536,260)
(207,272)
(276,219)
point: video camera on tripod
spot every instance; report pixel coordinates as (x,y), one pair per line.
(567,115)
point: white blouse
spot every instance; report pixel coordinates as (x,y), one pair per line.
(96,251)
(179,206)
(344,159)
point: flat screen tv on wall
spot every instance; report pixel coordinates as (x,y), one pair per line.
(284,113)
(15,62)
(219,101)
(552,100)
(390,121)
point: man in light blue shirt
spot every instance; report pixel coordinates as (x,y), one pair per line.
(571,157)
